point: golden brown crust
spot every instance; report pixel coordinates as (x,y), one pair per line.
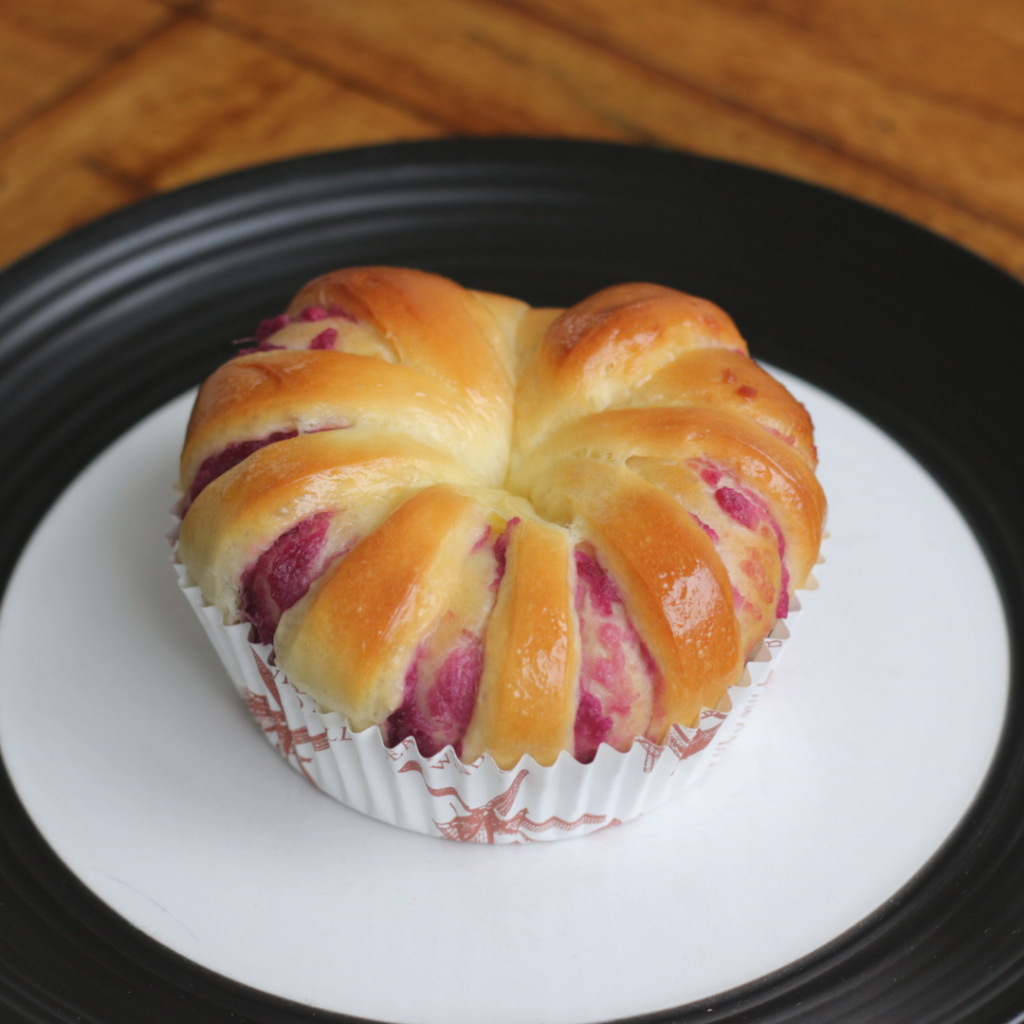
(350,472)
(643,434)
(750,556)
(258,395)
(673,583)
(352,638)
(759,460)
(730,381)
(526,703)
(432,324)
(593,355)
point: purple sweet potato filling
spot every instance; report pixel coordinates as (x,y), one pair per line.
(591,728)
(338,313)
(325,339)
(449,703)
(650,665)
(612,685)
(749,513)
(217,465)
(271,326)
(407,720)
(501,549)
(311,314)
(710,531)
(265,330)
(283,574)
(761,509)
(738,506)
(451,700)
(603,591)
(782,608)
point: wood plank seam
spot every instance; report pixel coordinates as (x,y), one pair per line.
(893,173)
(136,186)
(948,99)
(442,100)
(309,62)
(115,56)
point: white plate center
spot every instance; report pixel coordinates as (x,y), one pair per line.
(144,772)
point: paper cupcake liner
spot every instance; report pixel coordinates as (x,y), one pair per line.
(478,802)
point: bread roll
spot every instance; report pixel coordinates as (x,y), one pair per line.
(511,530)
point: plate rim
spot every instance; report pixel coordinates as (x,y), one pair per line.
(26,288)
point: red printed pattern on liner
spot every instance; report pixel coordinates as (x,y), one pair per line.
(678,743)
(273,722)
(484,824)
(490,822)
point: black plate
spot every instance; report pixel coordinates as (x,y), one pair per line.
(103,326)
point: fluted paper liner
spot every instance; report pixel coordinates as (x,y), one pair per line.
(478,802)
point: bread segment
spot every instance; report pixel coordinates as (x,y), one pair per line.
(768,466)
(352,637)
(527,699)
(593,355)
(750,553)
(731,382)
(355,474)
(258,395)
(432,325)
(674,585)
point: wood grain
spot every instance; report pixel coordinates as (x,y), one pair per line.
(761,63)
(47,46)
(192,102)
(966,52)
(714,80)
(915,106)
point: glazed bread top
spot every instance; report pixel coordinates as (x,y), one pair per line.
(512,530)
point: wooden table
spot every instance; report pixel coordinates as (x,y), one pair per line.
(915,105)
